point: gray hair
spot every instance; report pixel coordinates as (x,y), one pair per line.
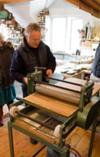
(32,27)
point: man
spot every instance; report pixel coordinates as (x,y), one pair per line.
(31,53)
(95,76)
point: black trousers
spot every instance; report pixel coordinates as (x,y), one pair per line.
(24,90)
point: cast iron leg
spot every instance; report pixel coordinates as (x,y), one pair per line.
(10,133)
(92,138)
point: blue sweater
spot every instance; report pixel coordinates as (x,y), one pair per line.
(26,58)
(96,63)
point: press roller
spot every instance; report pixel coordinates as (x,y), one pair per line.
(53,110)
(62,94)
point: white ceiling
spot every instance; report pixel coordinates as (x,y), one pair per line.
(25,12)
(37,5)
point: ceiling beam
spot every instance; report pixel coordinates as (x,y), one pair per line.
(85,7)
(92,4)
(97,1)
(12,1)
(74,2)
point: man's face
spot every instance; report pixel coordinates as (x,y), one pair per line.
(33,39)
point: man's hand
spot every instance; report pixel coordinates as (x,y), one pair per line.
(49,72)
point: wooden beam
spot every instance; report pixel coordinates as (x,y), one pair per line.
(97,1)
(89,9)
(92,4)
(76,2)
(95,13)
(12,1)
(85,7)
(80,5)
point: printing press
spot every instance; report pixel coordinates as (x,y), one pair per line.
(53,110)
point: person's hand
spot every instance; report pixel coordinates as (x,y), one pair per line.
(25,80)
(49,72)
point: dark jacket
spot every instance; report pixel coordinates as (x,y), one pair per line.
(6,52)
(26,58)
(96,63)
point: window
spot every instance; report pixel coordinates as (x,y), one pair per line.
(62,33)
(58,34)
(76,24)
(48,32)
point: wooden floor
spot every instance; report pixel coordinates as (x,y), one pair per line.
(79,139)
(22,145)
